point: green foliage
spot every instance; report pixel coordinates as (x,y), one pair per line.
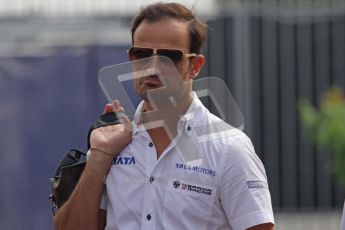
(326,127)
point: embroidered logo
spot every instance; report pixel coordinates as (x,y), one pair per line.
(196,169)
(192,188)
(257,184)
(122,160)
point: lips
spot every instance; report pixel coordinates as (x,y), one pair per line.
(151,81)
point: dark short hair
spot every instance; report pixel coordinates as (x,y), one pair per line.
(158,11)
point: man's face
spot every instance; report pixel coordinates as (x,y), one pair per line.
(163,34)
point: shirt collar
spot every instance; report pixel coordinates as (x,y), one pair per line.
(195,111)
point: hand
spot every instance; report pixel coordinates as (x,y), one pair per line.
(112,139)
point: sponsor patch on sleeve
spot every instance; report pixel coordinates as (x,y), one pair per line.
(257,184)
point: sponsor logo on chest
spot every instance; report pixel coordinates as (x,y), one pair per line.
(196,169)
(124,160)
(192,188)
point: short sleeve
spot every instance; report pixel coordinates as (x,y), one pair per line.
(244,191)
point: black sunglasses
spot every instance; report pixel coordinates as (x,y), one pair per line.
(137,53)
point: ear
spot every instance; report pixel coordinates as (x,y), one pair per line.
(196,65)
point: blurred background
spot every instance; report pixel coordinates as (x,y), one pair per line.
(271,53)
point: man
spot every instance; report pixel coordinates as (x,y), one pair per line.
(147,184)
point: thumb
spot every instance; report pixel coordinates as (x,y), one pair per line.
(127,123)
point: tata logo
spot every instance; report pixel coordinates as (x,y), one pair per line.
(196,169)
(121,160)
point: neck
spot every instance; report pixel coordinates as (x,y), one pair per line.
(163,133)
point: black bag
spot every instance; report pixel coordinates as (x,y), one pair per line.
(72,165)
(66,177)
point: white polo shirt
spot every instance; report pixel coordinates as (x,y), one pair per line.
(227,191)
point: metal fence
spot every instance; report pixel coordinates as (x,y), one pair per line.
(270,61)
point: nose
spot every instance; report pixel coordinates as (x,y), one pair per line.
(154,60)
(151,64)
(146,63)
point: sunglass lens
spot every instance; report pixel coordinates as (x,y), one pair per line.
(174,55)
(139,53)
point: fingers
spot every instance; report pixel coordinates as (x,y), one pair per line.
(108,108)
(113,107)
(127,123)
(117,106)
(125,120)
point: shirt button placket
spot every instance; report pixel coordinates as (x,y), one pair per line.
(151,157)
(152,179)
(148,215)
